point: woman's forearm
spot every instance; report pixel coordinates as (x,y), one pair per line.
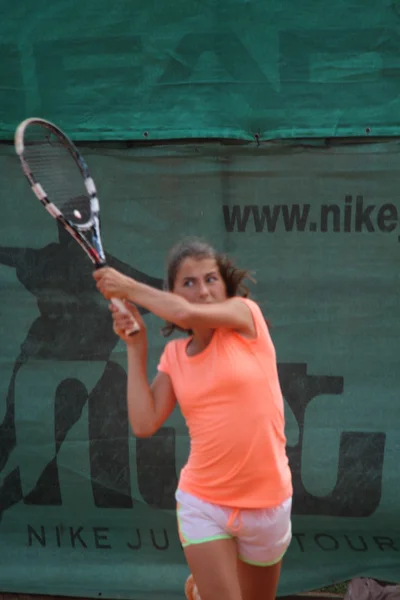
(165,305)
(141,407)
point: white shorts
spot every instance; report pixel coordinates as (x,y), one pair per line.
(262,534)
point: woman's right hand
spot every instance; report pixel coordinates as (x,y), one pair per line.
(123,322)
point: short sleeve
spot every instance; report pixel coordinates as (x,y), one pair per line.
(258,317)
(163,364)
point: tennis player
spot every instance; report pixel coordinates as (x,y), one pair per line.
(235,493)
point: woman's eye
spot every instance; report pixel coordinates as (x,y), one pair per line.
(188,283)
(212,278)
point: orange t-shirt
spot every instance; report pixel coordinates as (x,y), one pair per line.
(230,397)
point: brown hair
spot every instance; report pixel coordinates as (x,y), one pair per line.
(198,249)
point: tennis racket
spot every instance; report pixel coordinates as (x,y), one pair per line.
(60,179)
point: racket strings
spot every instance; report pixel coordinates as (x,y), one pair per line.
(78,210)
(54,167)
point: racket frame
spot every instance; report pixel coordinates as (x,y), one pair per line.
(96,252)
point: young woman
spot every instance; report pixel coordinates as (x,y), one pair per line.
(234,494)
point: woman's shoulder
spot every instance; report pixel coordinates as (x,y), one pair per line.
(170,356)
(254,307)
(260,322)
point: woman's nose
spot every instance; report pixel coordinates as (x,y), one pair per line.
(203,291)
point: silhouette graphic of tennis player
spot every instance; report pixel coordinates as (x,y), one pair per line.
(74,325)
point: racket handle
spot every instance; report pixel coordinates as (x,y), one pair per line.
(122,308)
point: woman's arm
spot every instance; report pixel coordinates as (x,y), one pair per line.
(232,313)
(148,405)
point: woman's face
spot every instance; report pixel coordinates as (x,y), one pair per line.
(199,280)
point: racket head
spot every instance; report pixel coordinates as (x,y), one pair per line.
(60,179)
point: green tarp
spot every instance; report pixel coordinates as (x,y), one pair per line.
(187,69)
(87,509)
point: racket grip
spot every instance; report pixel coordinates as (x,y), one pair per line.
(122,308)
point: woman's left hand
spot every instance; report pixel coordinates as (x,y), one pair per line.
(112,284)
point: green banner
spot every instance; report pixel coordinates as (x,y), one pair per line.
(86,509)
(187,69)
